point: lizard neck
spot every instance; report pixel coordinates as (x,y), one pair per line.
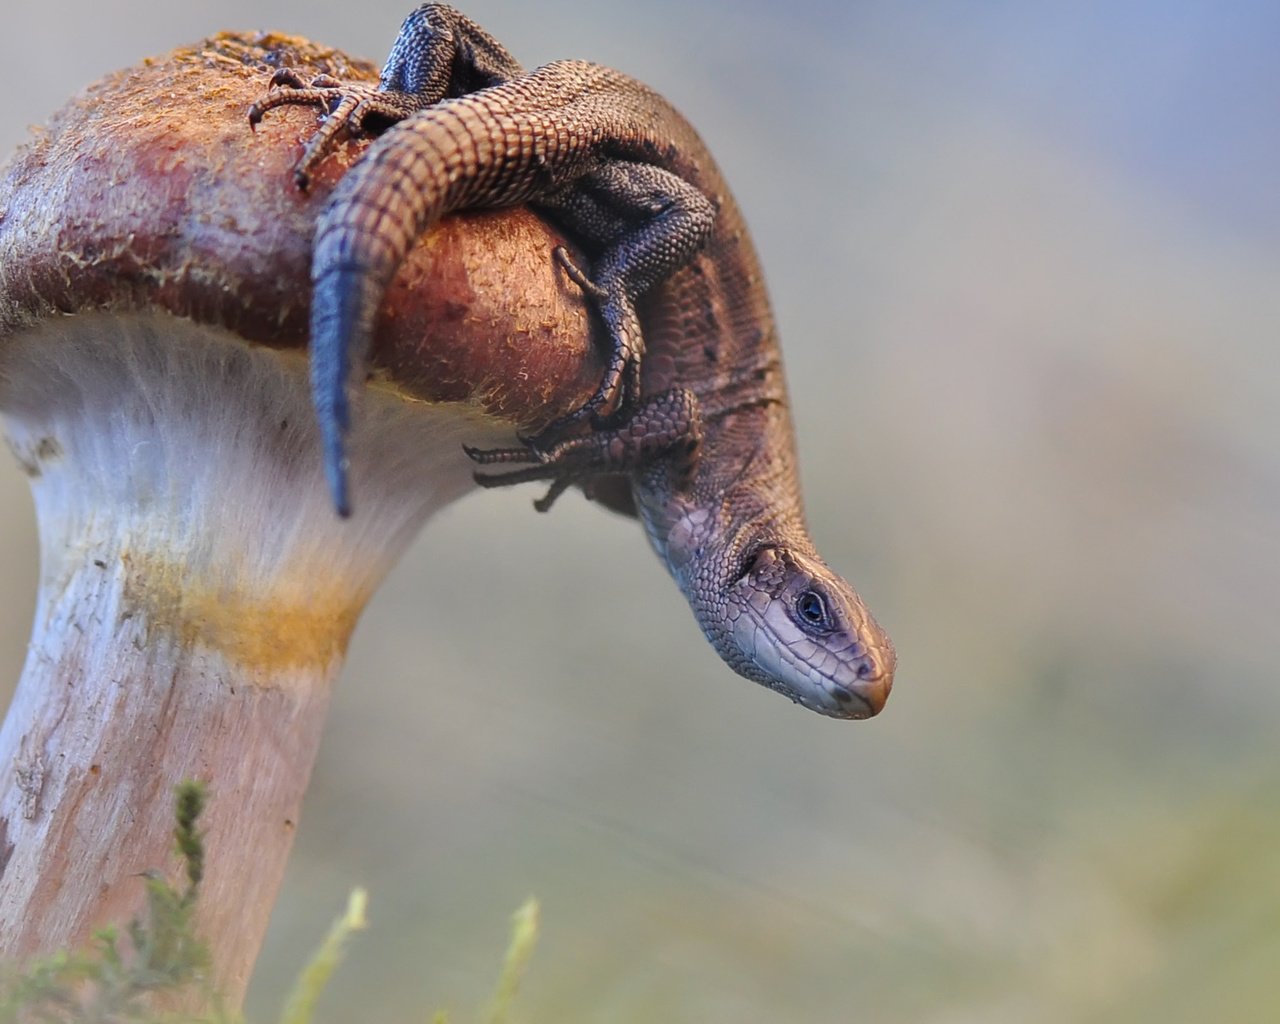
(743,494)
(707,540)
(736,543)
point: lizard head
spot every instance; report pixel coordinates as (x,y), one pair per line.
(800,629)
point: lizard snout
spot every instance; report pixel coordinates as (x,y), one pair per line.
(871,689)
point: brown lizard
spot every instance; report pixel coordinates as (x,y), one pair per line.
(689,427)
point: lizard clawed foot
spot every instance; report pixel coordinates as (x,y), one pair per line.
(577,275)
(288,86)
(545,466)
(350,107)
(619,389)
(666,426)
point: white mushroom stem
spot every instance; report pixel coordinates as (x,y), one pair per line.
(196,597)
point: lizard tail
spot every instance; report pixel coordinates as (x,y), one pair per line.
(481,149)
(361,239)
(343,308)
(367,228)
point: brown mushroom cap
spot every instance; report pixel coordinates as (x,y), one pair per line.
(149,191)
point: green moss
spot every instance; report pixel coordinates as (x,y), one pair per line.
(166,961)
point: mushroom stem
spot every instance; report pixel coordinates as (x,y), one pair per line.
(196,598)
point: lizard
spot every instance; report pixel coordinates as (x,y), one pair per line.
(689,428)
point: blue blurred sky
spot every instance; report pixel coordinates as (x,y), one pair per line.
(1184,95)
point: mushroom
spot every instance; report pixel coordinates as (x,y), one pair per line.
(196,589)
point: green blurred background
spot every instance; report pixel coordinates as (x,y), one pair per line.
(1024,258)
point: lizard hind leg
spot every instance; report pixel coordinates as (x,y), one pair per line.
(439,52)
(350,108)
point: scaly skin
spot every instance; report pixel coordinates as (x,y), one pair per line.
(699,430)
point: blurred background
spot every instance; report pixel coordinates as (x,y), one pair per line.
(1024,259)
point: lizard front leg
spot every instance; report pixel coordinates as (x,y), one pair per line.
(666,426)
(646,222)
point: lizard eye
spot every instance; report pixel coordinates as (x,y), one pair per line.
(811,608)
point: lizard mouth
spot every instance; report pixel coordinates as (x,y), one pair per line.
(839,681)
(868,700)
(837,701)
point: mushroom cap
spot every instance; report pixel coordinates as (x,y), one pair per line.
(155,269)
(149,191)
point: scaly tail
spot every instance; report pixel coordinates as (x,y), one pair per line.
(343,309)
(502,146)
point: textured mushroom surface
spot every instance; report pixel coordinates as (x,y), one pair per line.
(150,191)
(197,591)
